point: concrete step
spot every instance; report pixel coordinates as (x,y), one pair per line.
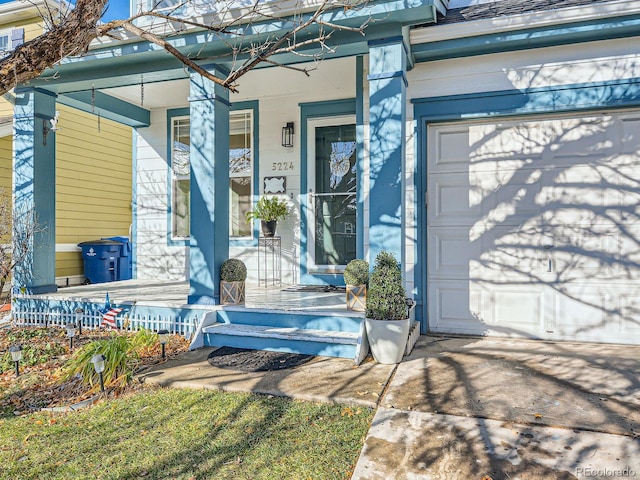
(283,339)
(347,338)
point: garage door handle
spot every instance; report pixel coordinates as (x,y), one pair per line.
(549,264)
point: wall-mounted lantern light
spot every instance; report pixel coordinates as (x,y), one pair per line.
(287,135)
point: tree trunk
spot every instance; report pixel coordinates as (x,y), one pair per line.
(71,37)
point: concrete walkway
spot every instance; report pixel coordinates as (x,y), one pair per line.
(469,408)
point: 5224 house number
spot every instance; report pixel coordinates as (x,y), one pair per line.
(281,166)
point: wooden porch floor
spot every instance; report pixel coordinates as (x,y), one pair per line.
(174,294)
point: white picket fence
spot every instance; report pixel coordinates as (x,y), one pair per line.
(27,316)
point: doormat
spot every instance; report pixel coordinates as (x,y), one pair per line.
(245,360)
(315,288)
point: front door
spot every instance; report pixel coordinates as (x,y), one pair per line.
(332,194)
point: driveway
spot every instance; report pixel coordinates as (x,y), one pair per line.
(469,408)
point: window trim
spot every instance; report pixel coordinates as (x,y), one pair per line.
(176,113)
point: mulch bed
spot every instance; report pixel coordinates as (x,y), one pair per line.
(39,385)
(245,360)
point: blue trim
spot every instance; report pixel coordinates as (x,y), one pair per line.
(42,91)
(361,196)
(134,203)
(580,32)
(564,98)
(122,65)
(330,108)
(387,124)
(171,114)
(208,192)
(250,105)
(616,94)
(109,107)
(34,159)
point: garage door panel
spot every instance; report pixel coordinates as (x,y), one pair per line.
(537,232)
(454,201)
(452,252)
(629,317)
(518,310)
(630,134)
(455,308)
(582,314)
(451,149)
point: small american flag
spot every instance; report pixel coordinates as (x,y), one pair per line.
(109,318)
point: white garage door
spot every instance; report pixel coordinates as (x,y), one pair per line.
(534,228)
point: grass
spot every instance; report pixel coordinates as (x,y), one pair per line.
(186,434)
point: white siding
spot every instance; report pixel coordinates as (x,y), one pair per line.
(279,93)
(563,65)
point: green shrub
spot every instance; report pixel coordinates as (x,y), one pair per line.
(357,272)
(269,209)
(233,270)
(122,359)
(386,296)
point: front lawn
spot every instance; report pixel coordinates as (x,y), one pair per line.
(186,434)
(143,432)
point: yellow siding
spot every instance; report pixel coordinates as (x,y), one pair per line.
(93,183)
(32,28)
(68,264)
(6,148)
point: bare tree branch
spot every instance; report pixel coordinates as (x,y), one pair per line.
(77,28)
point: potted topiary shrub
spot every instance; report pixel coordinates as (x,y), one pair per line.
(269,211)
(356,277)
(387,316)
(233,273)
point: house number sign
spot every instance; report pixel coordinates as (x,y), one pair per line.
(281,166)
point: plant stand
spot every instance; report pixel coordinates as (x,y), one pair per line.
(232,293)
(269,261)
(357,298)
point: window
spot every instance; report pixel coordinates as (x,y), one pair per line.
(240,172)
(180,170)
(5,44)
(241,165)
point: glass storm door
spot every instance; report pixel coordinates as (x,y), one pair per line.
(332,193)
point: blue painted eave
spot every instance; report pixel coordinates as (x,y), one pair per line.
(108,107)
(123,63)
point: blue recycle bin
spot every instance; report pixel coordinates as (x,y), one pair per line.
(125,263)
(101,260)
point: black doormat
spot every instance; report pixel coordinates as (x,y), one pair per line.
(315,288)
(245,360)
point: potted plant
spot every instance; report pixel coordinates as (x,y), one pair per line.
(356,277)
(233,273)
(387,316)
(269,211)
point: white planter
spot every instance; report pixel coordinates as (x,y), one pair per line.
(387,338)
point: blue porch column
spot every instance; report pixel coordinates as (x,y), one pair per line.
(34,189)
(209,112)
(387,119)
